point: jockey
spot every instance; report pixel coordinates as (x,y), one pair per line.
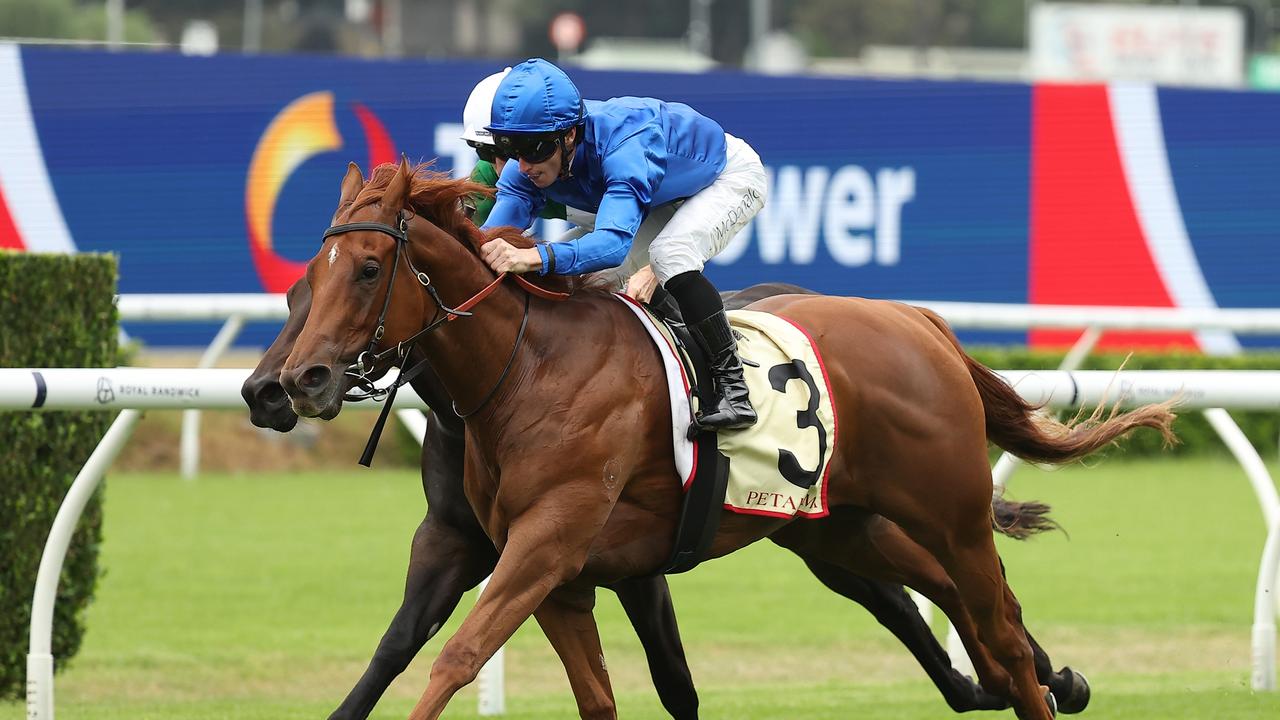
(475,115)
(631,161)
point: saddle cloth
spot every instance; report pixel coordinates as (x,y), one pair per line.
(778,467)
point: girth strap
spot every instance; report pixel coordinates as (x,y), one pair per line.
(703,502)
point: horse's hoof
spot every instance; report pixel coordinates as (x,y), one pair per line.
(1078,699)
(1052,702)
(974,697)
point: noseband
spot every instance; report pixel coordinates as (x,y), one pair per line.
(367,360)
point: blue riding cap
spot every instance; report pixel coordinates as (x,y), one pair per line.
(536,97)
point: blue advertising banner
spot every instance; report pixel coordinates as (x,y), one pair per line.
(219,174)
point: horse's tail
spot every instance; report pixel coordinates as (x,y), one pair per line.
(1015,425)
(1020,520)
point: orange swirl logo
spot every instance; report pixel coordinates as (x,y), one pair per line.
(303,129)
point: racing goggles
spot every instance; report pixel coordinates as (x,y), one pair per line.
(487,153)
(530,148)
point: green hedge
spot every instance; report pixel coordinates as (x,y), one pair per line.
(1194,432)
(55,311)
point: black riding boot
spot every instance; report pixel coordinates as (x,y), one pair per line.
(732,409)
(704,315)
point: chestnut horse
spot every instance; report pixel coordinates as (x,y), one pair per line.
(568,460)
(450,554)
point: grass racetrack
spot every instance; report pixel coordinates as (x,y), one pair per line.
(263,596)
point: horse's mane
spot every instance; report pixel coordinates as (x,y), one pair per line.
(437,197)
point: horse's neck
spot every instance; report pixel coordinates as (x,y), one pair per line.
(469,353)
(585,345)
(431,389)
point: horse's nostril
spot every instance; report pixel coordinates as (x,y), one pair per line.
(272,393)
(315,378)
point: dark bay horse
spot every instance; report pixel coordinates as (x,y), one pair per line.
(450,554)
(568,463)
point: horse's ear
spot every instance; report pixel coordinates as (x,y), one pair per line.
(396,195)
(352,183)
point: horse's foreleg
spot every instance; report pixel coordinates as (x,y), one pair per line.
(647,601)
(546,546)
(566,619)
(443,564)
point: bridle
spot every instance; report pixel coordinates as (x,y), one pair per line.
(368,359)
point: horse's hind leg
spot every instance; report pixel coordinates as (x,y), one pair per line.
(896,611)
(1070,689)
(566,619)
(873,576)
(889,603)
(864,544)
(956,527)
(647,601)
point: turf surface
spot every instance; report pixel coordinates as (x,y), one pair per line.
(263,597)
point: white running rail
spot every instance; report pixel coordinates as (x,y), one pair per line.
(237,308)
(985,316)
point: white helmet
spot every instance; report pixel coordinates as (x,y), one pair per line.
(476,113)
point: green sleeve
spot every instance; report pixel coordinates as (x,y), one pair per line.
(484,174)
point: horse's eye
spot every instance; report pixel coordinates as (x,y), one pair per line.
(370,272)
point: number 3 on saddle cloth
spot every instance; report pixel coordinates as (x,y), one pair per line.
(778,467)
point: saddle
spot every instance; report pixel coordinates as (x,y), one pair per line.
(776,468)
(705,493)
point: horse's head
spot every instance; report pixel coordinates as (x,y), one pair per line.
(370,289)
(269,405)
(351,280)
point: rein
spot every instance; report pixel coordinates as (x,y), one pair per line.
(360,370)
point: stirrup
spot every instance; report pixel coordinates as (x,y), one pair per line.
(695,429)
(699,426)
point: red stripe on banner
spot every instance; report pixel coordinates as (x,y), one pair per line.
(10,238)
(1087,246)
(381,148)
(277,273)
